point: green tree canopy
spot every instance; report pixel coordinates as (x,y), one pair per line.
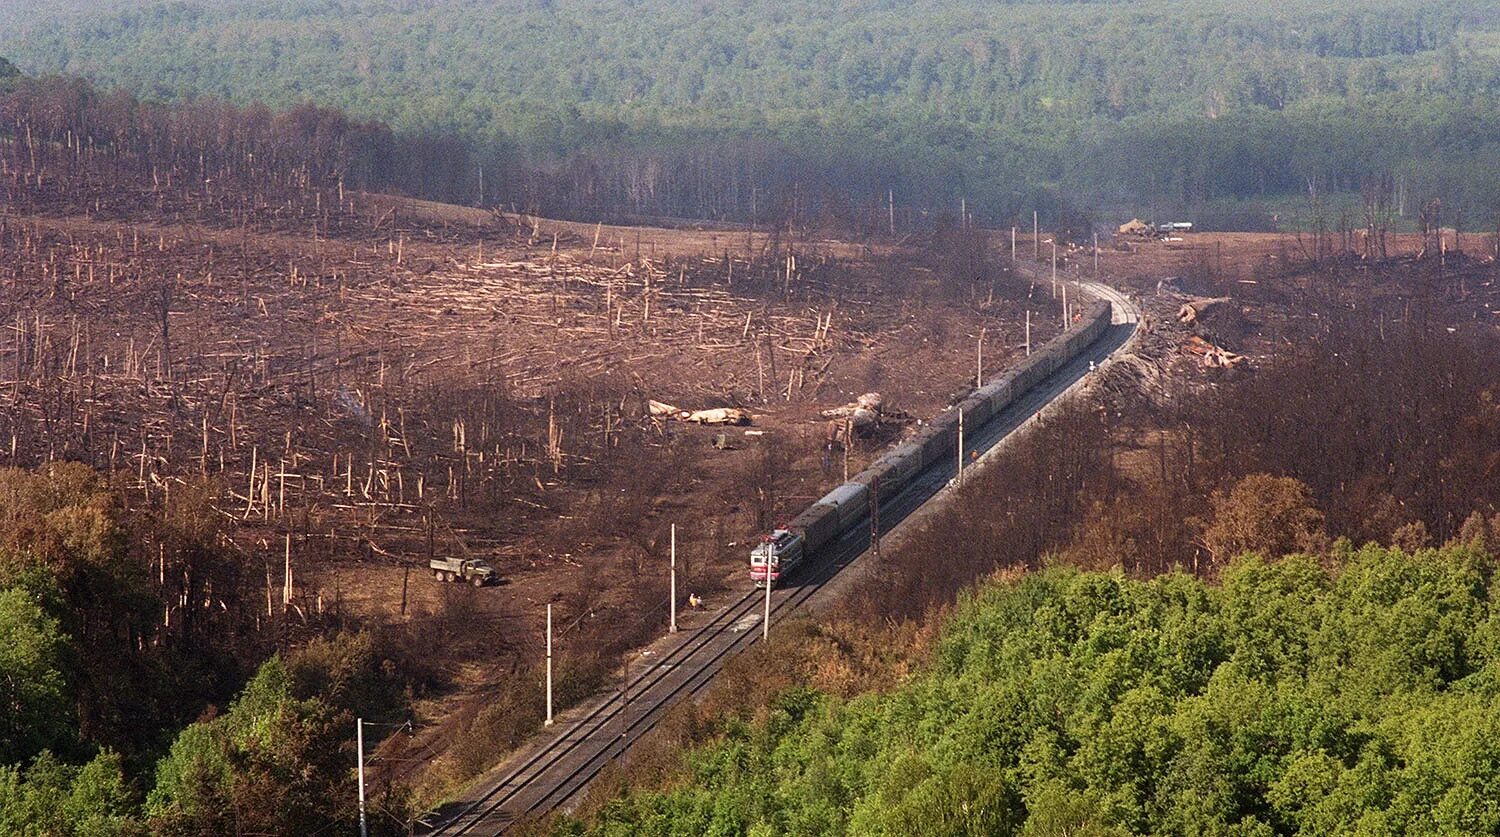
(1289,699)
(52,799)
(35,712)
(272,764)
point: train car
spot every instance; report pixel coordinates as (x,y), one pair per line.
(934,443)
(852,500)
(998,393)
(976,410)
(818,524)
(906,462)
(893,470)
(784,549)
(883,475)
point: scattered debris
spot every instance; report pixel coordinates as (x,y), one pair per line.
(861,417)
(870,402)
(715,416)
(1191,311)
(1213,356)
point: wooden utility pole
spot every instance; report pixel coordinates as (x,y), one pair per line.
(890,208)
(548,721)
(1054,268)
(359,746)
(624,704)
(1096,255)
(673,604)
(1012,244)
(960,446)
(848,440)
(1028,332)
(978,361)
(1036,236)
(765,622)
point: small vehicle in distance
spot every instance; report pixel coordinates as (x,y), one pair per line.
(470,571)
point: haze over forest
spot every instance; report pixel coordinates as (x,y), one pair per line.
(716,109)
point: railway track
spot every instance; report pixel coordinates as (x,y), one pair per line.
(553,775)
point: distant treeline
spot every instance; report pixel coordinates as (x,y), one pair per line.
(761,109)
(306,147)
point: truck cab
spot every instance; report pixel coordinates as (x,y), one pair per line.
(777,553)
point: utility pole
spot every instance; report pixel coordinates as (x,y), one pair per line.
(960,446)
(978,365)
(624,703)
(1065,306)
(1012,244)
(1028,332)
(1054,268)
(890,208)
(963,213)
(765,622)
(548,722)
(1096,256)
(848,440)
(674,580)
(1036,236)
(359,745)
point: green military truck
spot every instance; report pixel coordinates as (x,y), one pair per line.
(474,572)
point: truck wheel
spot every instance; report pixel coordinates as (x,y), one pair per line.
(447,576)
(436,573)
(477,581)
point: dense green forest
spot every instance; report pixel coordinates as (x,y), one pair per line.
(740,109)
(1354,695)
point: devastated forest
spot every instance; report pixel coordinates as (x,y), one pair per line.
(201,306)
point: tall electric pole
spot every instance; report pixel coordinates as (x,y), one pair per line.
(978,363)
(960,446)
(674,580)
(765,622)
(548,722)
(359,745)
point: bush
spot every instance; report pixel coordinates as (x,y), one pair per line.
(53,799)
(272,764)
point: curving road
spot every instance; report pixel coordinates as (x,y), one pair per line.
(552,772)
